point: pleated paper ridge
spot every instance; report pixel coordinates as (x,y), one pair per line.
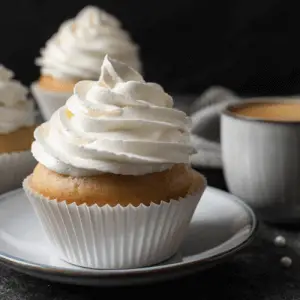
(47,101)
(114,237)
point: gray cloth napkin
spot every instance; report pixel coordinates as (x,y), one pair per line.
(205,114)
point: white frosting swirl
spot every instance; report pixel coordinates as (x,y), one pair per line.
(119,124)
(77,50)
(16,110)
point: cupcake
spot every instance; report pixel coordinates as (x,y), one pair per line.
(113,187)
(17,123)
(76,52)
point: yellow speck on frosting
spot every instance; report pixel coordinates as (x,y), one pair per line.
(69,114)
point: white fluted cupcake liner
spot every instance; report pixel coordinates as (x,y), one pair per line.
(14,167)
(114,237)
(47,101)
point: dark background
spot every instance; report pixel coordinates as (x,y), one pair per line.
(252,47)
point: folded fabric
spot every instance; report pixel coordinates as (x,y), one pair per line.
(205,113)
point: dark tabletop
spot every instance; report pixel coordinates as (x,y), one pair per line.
(253,273)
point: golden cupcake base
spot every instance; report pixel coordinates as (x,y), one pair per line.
(113,189)
(52,84)
(17,141)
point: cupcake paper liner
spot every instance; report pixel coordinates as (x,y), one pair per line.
(14,167)
(47,101)
(114,237)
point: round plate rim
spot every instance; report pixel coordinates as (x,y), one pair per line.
(85,273)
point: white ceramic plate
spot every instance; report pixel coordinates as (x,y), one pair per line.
(221,225)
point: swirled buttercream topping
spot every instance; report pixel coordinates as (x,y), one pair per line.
(118,124)
(77,50)
(16,110)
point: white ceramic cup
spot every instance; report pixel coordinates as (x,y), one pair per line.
(261,162)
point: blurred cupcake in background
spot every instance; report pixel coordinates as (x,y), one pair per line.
(76,52)
(17,124)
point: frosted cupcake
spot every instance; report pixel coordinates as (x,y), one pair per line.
(17,123)
(76,52)
(113,187)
